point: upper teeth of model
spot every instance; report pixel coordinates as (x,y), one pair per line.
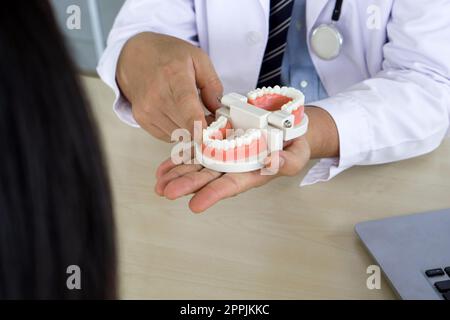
(298,99)
(228,142)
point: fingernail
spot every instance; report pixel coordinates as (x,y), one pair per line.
(157,191)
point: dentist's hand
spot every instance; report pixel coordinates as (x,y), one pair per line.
(209,187)
(161,76)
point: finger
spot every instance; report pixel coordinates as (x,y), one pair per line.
(168,164)
(174,173)
(189,183)
(208,81)
(164,167)
(186,107)
(165,124)
(156,132)
(157,124)
(226,186)
(293,158)
(210,119)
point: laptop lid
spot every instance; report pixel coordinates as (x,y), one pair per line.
(405,247)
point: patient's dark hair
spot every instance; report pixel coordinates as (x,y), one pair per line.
(55,200)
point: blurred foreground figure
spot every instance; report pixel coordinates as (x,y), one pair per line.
(55,201)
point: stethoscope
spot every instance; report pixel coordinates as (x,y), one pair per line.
(326,39)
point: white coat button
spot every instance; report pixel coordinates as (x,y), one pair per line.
(299,25)
(254,37)
(304,84)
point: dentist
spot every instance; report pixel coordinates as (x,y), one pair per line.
(375,73)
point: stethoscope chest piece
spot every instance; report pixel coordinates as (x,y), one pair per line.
(326,41)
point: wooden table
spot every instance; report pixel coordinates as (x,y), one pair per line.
(276,242)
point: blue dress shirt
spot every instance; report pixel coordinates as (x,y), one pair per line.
(297,69)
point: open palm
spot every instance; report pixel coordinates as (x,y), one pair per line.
(209,186)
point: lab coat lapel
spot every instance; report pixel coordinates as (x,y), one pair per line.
(265,4)
(236,33)
(313,10)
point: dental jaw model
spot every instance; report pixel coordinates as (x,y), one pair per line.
(247,129)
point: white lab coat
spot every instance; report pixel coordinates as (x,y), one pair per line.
(389,88)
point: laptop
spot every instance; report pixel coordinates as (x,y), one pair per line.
(413,252)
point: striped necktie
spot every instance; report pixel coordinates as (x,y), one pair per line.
(279,21)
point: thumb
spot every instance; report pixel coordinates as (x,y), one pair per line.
(208,82)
